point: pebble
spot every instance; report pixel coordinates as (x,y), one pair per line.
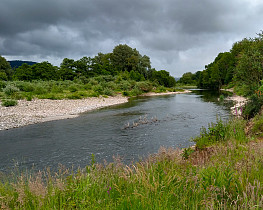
(42,110)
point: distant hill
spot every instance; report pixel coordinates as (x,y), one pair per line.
(17,63)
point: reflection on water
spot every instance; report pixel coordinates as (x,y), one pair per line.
(104,134)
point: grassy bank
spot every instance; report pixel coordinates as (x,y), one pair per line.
(102,85)
(224,171)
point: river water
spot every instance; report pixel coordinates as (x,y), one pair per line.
(132,131)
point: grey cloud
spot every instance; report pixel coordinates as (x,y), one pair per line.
(162,29)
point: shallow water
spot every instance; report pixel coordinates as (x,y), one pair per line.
(172,121)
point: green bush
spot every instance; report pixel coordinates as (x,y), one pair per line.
(10,89)
(9,102)
(76,95)
(124,85)
(2,84)
(108,92)
(160,89)
(98,88)
(40,90)
(93,82)
(257,128)
(25,86)
(144,86)
(216,132)
(56,88)
(73,88)
(135,92)
(88,86)
(28,96)
(253,106)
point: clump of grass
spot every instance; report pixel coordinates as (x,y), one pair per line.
(9,102)
(10,89)
(221,132)
(257,126)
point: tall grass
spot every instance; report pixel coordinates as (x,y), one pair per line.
(225,175)
(92,87)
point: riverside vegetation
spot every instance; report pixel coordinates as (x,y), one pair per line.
(223,170)
(123,71)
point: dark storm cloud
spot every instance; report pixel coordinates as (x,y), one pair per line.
(174,33)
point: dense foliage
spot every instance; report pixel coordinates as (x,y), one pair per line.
(123,60)
(241,67)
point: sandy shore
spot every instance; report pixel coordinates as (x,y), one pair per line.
(43,110)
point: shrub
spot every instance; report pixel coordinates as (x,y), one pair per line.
(187,152)
(124,85)
(57,89)
(25,86)
(253,106)
(144,86)
(73,88)
(9,102)
(135,91)
(77,95)
(88,86)
(160,89)
(125,93)
(39,90)
(108,92)
(2,85)
(29,96)
(98,88)
(10,89)
(93,82)
(257,128)
(216,132)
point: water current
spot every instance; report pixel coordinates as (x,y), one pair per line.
(131,131)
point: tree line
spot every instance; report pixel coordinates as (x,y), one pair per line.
(241,67)
(122,60)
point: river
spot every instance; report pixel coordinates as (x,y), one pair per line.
(169,121)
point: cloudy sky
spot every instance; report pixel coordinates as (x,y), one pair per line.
(178,35)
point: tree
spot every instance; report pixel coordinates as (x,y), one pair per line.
(102,64)
(44,71)
(124,58)
(121,55)
(67,69)
(5,69)
(23,72)
(82,67)
(187,78)
(249,70)
(163,78)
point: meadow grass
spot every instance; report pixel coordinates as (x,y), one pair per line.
(78,89)
(226,174)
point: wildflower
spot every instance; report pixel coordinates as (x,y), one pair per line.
(234,131)
(108,191)
(236,109)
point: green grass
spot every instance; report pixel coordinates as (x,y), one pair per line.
(9,102)
(92,87)
(227,174)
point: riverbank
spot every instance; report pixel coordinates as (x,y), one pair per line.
(239,103)
(225,174)
(43,110)
(166,93)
